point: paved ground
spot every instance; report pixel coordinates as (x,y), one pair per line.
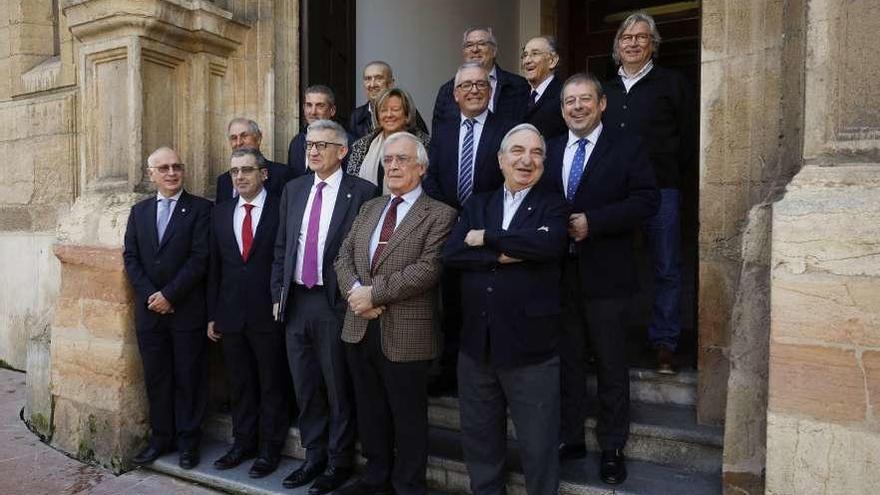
(30,467)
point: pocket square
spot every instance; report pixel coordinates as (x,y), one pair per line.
(544,228)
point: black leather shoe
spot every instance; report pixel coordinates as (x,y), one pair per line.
(234,457)
(361,488)
(148,455)
(189,458)
(612,468)
(665,361)
(304,474)
(569,451)
(264,466)
(332,478)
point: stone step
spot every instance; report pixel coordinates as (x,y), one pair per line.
(447,473)
(660,433)
(653,388)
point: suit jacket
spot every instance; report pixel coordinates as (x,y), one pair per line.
(617,193)
(238,291)
(353,192)
(441,181)
(361,122)
(510,312)
(406,277)
(176,266)
(546,115)
(511,98)
(279,175)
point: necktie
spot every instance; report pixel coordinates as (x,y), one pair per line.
(163,217)
(577,169)
(466,163)
(387,229)
(533,99)
(310,255)
(247,232)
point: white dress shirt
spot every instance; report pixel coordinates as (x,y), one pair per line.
(571,149)
(493,81)
(512,200)
(174,199)
(238,216)
(328,202)
(403,208)
(542,87)
(630,80)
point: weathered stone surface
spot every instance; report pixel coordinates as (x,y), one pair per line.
(871,364)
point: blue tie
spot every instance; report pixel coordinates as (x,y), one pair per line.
(163,216)
(466,164)
(577,169)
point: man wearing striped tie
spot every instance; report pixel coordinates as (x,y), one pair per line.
(463,161)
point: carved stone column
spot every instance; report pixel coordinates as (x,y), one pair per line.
(150,73)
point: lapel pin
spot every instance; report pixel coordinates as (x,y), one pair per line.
(183,210)
(529,208)
(348,195)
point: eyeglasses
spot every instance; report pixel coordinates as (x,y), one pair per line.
(389,160)
(320,145)
(166,169)
(640,38)
(531,54)
(246,170)
(468,86)
(470,45)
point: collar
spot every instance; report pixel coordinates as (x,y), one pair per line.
(592,137)
(508,194)
(493,74)
(333,181)
(174,198)
(481,119)
(543,86)
(258,201)
(641,72)
(411,197)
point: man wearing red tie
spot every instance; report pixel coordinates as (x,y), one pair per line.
(240,316)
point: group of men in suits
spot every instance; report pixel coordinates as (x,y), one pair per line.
(300,273)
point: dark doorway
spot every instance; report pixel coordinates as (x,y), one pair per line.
(327,53)
(586,32)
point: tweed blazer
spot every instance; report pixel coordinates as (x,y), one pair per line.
(406,278)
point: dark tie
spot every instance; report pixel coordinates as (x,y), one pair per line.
(247,232)
(387,229)
(533,99)
(310,255)
(577,169)
(466,163)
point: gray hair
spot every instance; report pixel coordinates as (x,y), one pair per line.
(409,106)
(468,65)
(485,29)
(258,157)
(629,22)
(320,89)
(582,77)
(421,152)
(329,125)
(252,126)
(526,127)
(152,157)
(551,41)
(382,64)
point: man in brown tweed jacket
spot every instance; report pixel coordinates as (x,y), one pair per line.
(389,268)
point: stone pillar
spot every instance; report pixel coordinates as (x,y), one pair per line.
(151,73)
(823,421)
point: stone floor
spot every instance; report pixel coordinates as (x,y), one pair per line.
(30,467)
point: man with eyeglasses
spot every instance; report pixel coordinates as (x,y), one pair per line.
(377,78)
(463,163)
(240,316)
(538,60)
(317,211)
(656,104)
(166,258)
(510,92)
(389,267)
(245,133)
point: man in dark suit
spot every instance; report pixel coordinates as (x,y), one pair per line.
(463,162)
(508,245)
(240,316)
(166,257)
(510,92)
(377,79)
(245,133)
(539,60)
(316,212)
(319,103)
(608,181)
(656,104)
(389,267)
